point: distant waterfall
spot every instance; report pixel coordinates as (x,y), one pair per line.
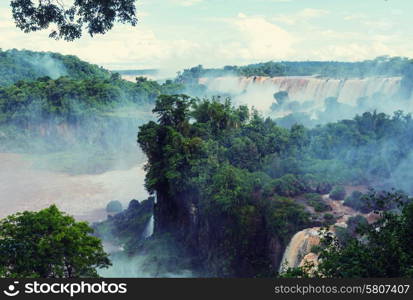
(303,88)
(149,228)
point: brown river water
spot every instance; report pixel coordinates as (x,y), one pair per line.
(83,196)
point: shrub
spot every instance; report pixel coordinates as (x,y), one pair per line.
(114,206)
(288,185)
(316,249)
(338,193)
(323,188)
(355,223)
(358,202)
(316,201)
(312,197)
(328,217)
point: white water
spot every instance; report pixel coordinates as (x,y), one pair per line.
(149,228)
(301,243)
(299,246)
(258,91)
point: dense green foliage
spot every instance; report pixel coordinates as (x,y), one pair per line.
(336,146)
(382,249)
(18,65)
(83,114)
(315,200)
(357,201)
(338,193)
(217,161)
(48,244)
(38,86)
(69,99)
(236,168)
(382,66)
(97,17)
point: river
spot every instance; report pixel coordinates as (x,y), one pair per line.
(23,187)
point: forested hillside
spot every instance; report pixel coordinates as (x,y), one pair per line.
(41,86)
(227,181)
(69,99)
(18,65)
(51,102)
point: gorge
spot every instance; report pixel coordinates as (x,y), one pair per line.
(236,191)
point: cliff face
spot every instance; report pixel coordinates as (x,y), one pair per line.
(126,227)
(224,211)
(216,243)
(172,214)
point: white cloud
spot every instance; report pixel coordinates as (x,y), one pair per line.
(141,14)
(257,39)
(122,47)
(372,23)
(187,2)
(309,13)
(301,16)
(354,17)
(218,41)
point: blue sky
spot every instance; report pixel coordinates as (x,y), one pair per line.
(173,34)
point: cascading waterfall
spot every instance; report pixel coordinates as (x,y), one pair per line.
(299,246)
(302,88)
(149,228)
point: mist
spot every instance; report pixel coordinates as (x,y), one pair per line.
(312,100)
(319,100)
(139,266)
(44,63)
(79,164)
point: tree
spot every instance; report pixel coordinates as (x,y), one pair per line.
(114,206)
(48,244)
(172,110)
(96,16)
(338,193)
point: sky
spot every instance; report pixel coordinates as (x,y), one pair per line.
(177,34)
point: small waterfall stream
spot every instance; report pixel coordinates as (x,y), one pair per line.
(149,228)
(299,246)
(301,243)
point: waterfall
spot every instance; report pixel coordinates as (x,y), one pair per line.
(258,90)
(299,246)
(149,228)
(299,249)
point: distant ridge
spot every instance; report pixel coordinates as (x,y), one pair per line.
(18,65)
(137,72)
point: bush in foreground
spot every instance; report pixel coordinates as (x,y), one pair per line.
(48,244)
